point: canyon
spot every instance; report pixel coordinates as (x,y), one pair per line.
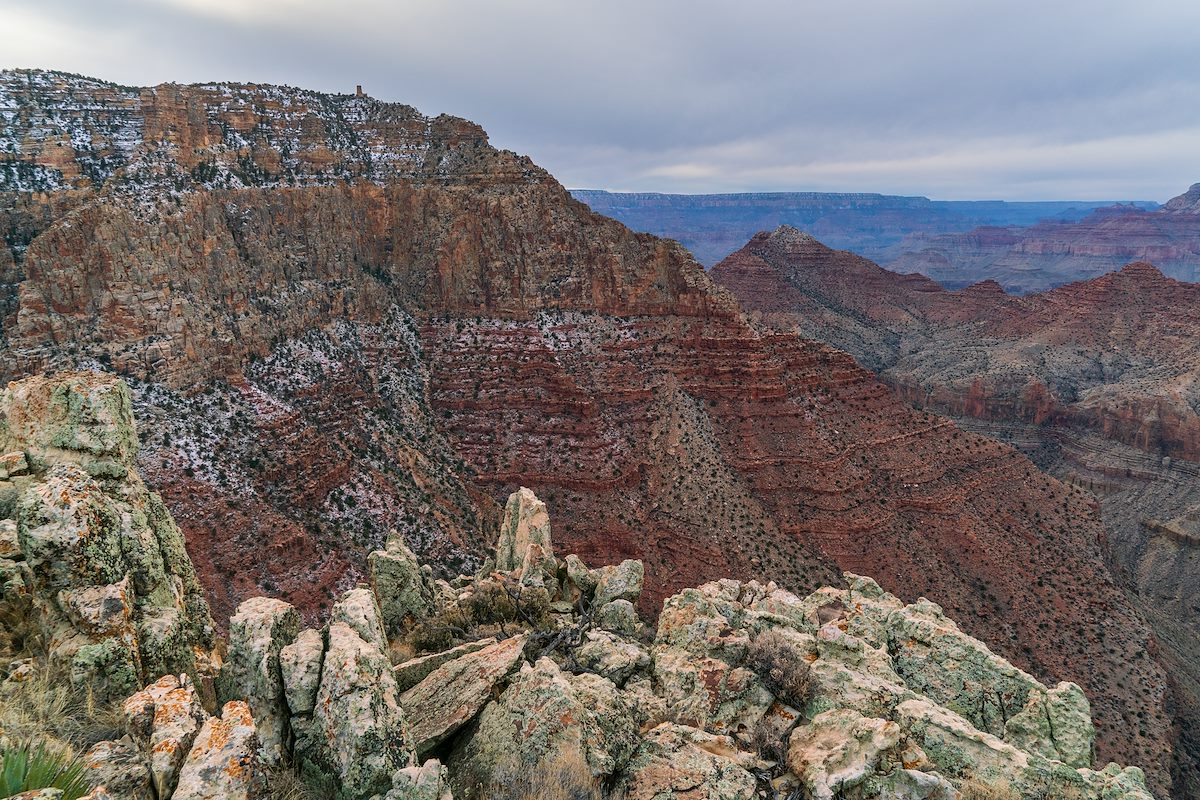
(1094,381)
(1052,253)
(880,227)
(340,318)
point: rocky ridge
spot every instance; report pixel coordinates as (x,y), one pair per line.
(538,672)
(1053,253)
(315,365)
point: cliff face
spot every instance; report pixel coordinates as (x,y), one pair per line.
(1054,253)
(340,317)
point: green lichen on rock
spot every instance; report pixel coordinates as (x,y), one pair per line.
(87,527)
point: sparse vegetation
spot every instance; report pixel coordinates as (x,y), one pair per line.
(782,668)
(38,766)
(44,706)
(565,777)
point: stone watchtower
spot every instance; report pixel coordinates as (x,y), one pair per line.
(358,92)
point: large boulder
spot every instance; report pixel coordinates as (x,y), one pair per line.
(224,762)
(455,692)
(163,721)
(404,590)
(547,716)
(842,750)
(1056,724)
(121,768)
(619,582)
(525,524)
(359,609)
(411,672)
(83,418)
(258,631)
(358,733)
(675,762)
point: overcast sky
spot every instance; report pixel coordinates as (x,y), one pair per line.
(951,99)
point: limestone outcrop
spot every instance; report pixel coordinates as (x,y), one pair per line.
(746,691)
(96,557)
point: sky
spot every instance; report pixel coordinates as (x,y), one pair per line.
(952,99)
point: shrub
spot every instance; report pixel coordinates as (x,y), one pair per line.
(566,777)
(45,706)
(29,767)
(782,668)
(996,790)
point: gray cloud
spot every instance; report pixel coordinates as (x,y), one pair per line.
(952,99)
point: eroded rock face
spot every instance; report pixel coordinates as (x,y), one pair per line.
(224,763)
(102,560)
(258,632)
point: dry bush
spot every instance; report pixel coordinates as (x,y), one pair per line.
(439,632)
(45,706)
(782,668)
(974,789)
(564,777)
(285,783)
(20,635)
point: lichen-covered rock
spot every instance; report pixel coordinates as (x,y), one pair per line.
(611,656)
(84,418)
(120,768)
(1056,724)
(839,750)
(404,591)
(675,762)
(359,609)
(359,735)
(259,630)
(116,594)
(430,781)
(619,616)
(224,762)
(957,671)
(163,720)
(455,692)
(410,673)
(547,716)
(620,582)
(525,522)
(300,668)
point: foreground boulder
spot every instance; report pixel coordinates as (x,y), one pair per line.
(224,763)
(259,630)
(454,693)
(101,560)
(359,734)
(547,716)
